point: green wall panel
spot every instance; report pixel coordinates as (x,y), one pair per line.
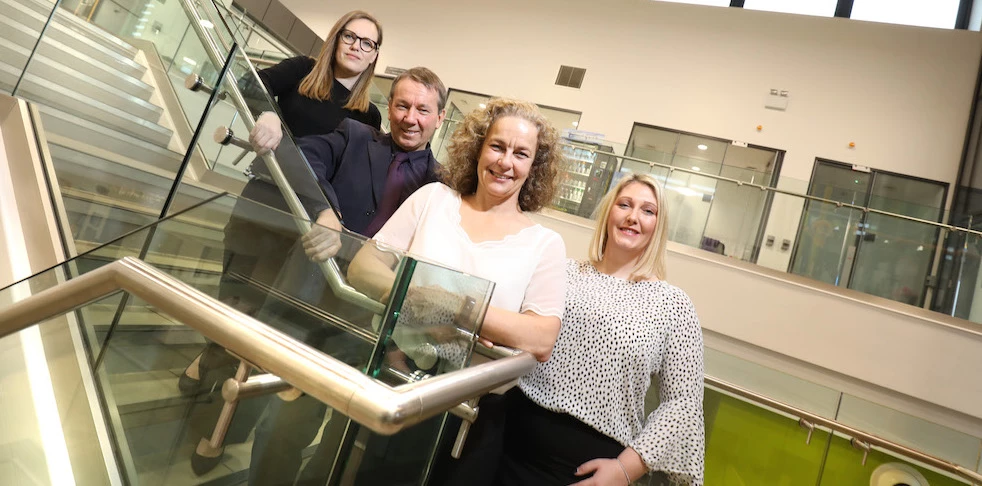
(747,445)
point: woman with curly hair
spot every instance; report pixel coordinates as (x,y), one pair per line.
(503,165)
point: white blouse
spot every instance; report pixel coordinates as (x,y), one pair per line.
(527,267)
(615,335)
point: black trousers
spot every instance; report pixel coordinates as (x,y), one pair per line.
(542,447)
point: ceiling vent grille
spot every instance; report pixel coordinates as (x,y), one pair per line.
(570,76)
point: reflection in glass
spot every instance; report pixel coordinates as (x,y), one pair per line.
(827,242)
(250,257)
(881,255)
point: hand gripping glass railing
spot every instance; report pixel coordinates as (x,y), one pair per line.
(383,409)
(330,268)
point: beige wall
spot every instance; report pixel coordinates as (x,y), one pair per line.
(902,94)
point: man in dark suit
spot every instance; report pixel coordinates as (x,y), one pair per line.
(366,175)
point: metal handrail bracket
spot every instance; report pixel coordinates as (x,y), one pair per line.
(383,409)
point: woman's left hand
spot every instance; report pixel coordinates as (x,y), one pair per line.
(606,472)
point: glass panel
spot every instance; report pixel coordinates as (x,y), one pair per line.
(380,98)
(747,444)
(925,13)
(837,183)
(907,196)
(584,177)
(108,78)
(749,164)
(772,383)
(827,242)
(250,257)
(963,298)
(700,154)
(844,465)
(733,225)
(652,144)
(22,23)
(822,8)
(894,258)
(936,440)
(689,197)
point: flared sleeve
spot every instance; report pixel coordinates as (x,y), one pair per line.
(673,439)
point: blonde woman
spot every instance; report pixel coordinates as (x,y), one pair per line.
(579,417)
(314,95)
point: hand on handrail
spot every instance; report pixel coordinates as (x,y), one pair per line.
(267,134)
(323,241)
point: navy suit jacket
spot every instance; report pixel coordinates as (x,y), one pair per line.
(351,164)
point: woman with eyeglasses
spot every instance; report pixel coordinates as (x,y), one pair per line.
(314,95)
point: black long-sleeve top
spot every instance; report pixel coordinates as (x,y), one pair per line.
(306,116)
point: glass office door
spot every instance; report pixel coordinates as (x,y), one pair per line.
(880,255)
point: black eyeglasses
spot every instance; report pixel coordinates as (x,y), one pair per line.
(366,44)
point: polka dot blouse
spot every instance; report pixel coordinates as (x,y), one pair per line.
(615,336)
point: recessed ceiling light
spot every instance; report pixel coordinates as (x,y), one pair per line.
(695,168)
(483,106)
(702,146)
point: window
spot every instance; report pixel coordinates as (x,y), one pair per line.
(821,8)
(924,13)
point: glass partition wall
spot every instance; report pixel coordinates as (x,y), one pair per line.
(898,256)
(717,213)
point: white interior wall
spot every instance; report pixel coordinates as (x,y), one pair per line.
(902,94)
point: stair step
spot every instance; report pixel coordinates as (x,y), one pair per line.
(79,25)
(88,132)
(43,91)
(57,32)
(71,79)
(21,36)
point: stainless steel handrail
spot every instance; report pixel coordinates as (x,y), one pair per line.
(840,204)
(383,409)
(330,268)
(870,439)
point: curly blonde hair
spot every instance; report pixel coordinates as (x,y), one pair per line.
(460,172)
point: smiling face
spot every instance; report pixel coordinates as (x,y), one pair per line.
(351,60)
(506,158)
(414,114)
(632,220)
